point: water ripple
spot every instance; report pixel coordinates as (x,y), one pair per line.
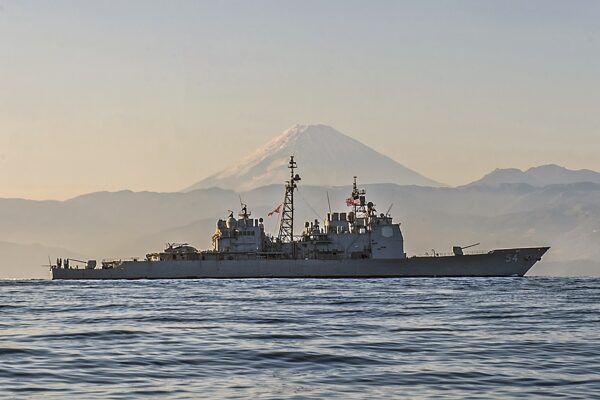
(375,338)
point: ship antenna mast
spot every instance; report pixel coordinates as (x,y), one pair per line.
(286,228)
(355,196)
(357,200)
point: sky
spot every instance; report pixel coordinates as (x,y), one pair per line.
(156,95)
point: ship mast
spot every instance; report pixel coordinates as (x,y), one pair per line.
(357,201)
(286,228)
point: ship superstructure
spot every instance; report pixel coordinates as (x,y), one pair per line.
(356,243)
(358,234)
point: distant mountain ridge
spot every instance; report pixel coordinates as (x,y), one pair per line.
(538,176)
(125,224)
(325,157)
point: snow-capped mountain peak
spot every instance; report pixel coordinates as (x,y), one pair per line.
(325,157)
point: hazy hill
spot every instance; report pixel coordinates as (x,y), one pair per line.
(94,223)
(26,261)
(538,176)
(126,224)
(326,157)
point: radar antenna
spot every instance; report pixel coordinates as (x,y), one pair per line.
(286,228)
(244,210)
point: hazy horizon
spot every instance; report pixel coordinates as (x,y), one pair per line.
(157,95)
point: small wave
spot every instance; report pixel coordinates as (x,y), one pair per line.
(321,359)
(102,334)
(8,306)
(421,329)
(5,351)
(273,336)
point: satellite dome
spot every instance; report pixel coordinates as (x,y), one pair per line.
(231,223)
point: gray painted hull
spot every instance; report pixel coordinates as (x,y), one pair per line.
(497,263)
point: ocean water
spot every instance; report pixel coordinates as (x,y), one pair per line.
(378,338)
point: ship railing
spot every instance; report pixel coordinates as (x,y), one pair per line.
(449,254)
(108,263)
(119,260)
(241,255)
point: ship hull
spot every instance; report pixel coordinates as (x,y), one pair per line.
(497,263)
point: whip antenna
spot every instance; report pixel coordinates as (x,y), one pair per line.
(389,209)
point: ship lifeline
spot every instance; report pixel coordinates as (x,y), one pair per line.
(356,244)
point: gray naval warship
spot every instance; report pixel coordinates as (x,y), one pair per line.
(356,244)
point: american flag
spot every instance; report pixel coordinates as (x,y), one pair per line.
(276,210)
(352,202)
